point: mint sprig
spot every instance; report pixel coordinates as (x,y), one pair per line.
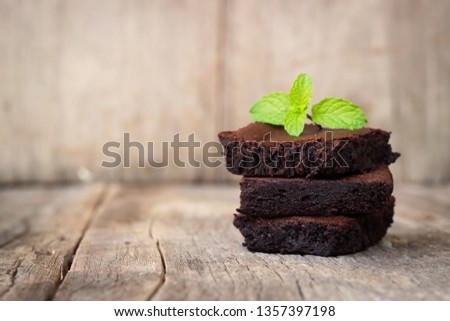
(290,110)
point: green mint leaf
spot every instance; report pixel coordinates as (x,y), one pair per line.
(338,113)
(270,108)
(301,92)
(294,121)
(299,97)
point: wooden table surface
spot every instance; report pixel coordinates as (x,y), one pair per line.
(139,242)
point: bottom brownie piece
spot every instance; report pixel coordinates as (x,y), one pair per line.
(324,236)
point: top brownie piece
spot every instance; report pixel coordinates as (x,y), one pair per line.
(263,150)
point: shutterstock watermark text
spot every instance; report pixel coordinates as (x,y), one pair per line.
(188,151)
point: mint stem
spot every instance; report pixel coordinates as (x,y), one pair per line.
(310,118)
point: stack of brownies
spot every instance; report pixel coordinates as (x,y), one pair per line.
(327,192)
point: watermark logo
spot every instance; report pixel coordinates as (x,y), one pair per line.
(249,154)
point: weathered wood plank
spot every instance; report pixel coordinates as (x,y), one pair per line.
(117,258)
(204,259)
(40,229)
(178,243)
(203,255)
(420,70)
(77,74)
(437,195)
(426,208)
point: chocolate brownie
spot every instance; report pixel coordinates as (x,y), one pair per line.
(324,236)
(353,195)
(267,150)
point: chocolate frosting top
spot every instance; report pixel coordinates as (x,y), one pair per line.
(260,131)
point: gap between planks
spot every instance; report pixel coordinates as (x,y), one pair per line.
(117,258)
(39,232)
(163,274)
(100,200)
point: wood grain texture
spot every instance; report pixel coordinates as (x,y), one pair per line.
(178,243)
(40,230)
(202,251)
(77,74)
(205,260)
(420,87)
(117,259)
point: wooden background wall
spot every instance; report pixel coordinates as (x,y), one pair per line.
(75,74)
